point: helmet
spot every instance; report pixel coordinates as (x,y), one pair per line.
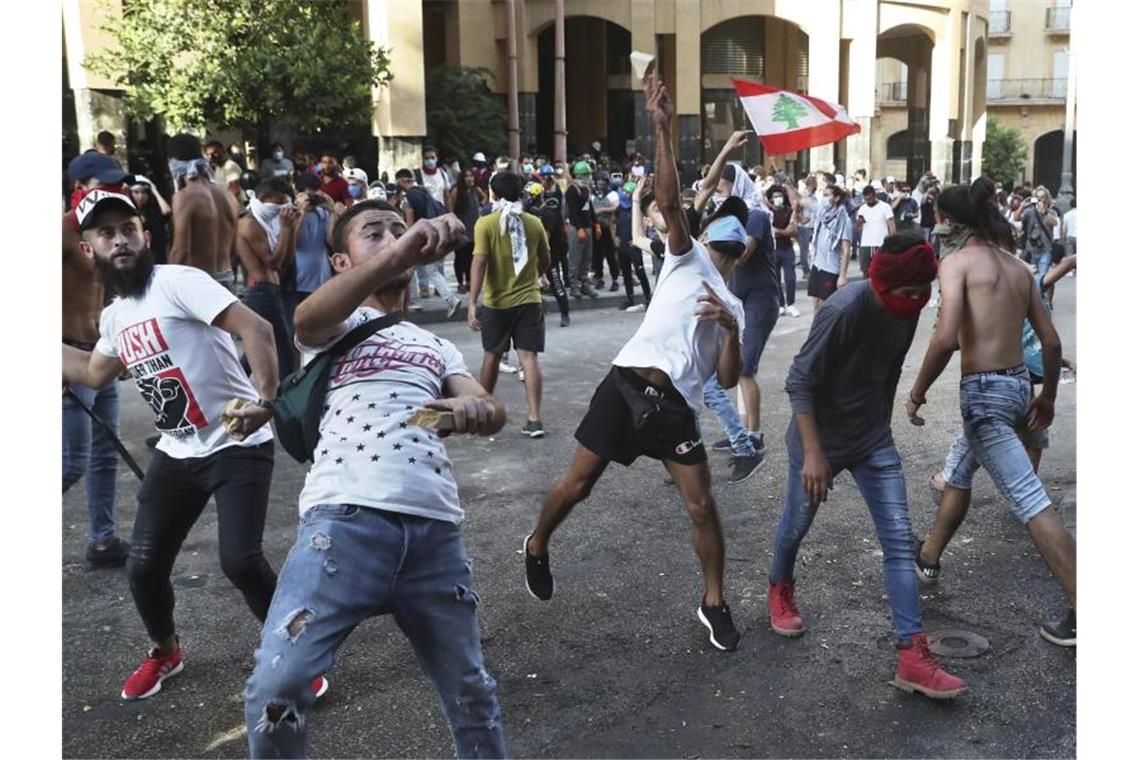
(533,188)
(582,169)
(547,170)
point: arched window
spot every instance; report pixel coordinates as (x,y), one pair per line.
(897,145)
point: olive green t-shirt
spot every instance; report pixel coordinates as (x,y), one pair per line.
(502,288)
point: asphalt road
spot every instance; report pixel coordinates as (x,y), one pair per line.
(616,665)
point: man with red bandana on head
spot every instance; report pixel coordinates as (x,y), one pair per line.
(842,388)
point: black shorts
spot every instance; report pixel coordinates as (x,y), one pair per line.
(608,427)
(821,284)
(525,325)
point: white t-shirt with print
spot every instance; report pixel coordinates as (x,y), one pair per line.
(670,338)
(875,220)
(367,453)
(186,369)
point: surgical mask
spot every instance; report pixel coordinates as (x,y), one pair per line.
(429,163)
(528,168)
(354,191)
(278,155)
(778,201)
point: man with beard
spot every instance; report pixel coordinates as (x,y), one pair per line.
(649,402)
(87,450)
(204,215)
(380,509)
(266,244)
(172,330)
(842,389)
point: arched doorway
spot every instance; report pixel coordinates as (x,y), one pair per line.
(761,48)
(1047,152)
(913,45)
(599,101)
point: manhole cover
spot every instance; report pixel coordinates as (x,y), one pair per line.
(189,581)
(952,643)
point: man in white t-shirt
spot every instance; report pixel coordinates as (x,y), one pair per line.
(876,220)
(172,328)
(433,178)
(380,508)
(650,401)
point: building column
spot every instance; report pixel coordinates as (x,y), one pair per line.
(528,119)
(687,90)
(642,38)
(98,101)
(943,98)
(861,82)
(99,110)
(399,115)
(823,72)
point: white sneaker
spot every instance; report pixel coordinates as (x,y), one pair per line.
(507,368)
(783,311)
(522,378)
(792,311)
(452,306)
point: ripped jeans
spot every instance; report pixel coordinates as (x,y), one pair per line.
(351,563)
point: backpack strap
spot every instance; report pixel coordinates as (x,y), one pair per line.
(362,332)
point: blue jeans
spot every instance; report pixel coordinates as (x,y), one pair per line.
(717,400)
(432,276)
(266,300)
(1042,260)
(803,235)
(88,451)
(787,261)
(994,408)
(351,563)
(880,480)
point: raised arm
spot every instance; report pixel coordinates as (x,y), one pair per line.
(668,186)
(637,221)
(712,177)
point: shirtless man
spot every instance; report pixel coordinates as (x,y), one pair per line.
(205,215)
(266,243)
(86,448)
(986,295)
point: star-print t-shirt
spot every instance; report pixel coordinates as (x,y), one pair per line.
(184,367)
(368,454)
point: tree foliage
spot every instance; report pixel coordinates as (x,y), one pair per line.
(1003,153)
(237,63)
(463,115)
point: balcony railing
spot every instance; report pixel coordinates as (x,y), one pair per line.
(892,93)
(1057,20)
(999,22)
(1009,90)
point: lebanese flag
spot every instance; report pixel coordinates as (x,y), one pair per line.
(787,122)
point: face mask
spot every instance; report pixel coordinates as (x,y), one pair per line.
(528,168)
(270,211)
(354,191)
(278,155)
(429,163)
(901,307)
(778,201)
(953,237)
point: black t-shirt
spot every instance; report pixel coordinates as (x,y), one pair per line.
(761,272)
(926,213)
(423,205)
(781,217)
(155,223)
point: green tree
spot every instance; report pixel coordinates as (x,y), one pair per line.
(788,111)
(463,115)
(239,63)
(1003,153)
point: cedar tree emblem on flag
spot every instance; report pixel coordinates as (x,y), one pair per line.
(787,122)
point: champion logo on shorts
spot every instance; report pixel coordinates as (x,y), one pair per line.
(686,446)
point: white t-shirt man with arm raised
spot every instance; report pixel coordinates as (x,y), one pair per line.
(649,402)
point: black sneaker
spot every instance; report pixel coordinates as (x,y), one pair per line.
(726,445)
(1063,633)
(626,304)
(613,286)
(744,467)
(110,553)
(722,633)
(722,445)
(565,321)
(927,573)
(533,428)
(539,581)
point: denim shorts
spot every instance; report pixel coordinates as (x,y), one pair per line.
(994,409)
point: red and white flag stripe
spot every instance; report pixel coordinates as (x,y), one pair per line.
(787,122)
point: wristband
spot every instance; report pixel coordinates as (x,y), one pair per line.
(263,404)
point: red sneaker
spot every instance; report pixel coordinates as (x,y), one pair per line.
(782,612)
(147,680)
(919,671)
(320,685)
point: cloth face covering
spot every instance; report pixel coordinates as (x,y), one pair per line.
(510,222)
(913,267)
(268,215)
(953,236)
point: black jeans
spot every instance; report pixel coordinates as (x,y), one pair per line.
(463,263)
(559,275)
(631,260)
(266,300)
(787,260)
(604,252)
(172,497)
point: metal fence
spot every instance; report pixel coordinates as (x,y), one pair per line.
(1057,19)
(999,22)
(891,92)
(1026,89)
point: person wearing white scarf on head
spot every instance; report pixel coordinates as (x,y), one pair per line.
(510,223)
(725,178)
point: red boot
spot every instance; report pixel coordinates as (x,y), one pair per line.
(919,671)
(782,612)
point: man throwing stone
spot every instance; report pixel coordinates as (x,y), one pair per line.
(172,329)
(842,388)
(380,508)
(649,402)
